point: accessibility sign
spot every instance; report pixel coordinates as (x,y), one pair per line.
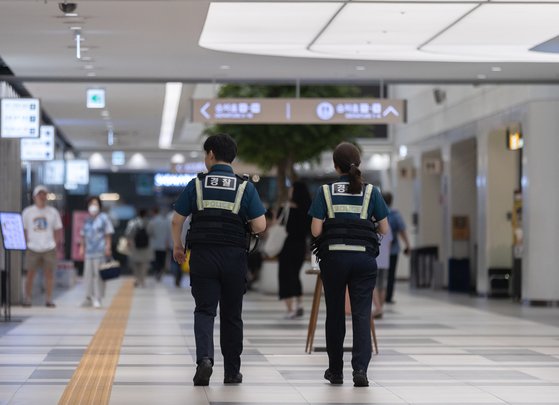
(299,111)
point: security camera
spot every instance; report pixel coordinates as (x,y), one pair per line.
(67,7)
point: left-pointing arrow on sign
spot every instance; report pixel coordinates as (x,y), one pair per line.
(203,110)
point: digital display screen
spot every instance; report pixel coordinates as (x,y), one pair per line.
(13,236)
(54,172)
(77,172)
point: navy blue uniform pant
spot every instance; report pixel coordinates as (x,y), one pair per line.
(218,275)
(357,271)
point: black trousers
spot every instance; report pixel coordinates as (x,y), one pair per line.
(391,277)
(218,275)
(357,271)
(159,262)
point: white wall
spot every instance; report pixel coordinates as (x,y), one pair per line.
(430,212)
(540,266)
(477,112)
(502,180)
(463,197)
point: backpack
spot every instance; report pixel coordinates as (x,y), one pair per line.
(141,238)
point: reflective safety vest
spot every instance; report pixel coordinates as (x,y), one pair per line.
(347,234)
(217,221)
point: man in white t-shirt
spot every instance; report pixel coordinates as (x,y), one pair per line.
(43,232)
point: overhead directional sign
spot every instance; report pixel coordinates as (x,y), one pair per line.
(20,118)
(41,148)
(95,98)
(299,111)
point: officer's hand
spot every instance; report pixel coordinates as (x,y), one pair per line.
(178,254)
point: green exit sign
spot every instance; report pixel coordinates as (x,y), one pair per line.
(95,98)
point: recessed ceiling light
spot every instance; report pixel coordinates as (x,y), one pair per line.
(225,67)
(75,28)
(496,69)
(89,67)
(70,14)
(481,76)
(86,59)
(91,74)
(359,67)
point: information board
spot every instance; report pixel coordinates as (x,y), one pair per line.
(54,172)
(13,235)
(77,172)
(20,118)
(41,148)
(299,111)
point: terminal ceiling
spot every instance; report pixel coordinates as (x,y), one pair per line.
(133,47)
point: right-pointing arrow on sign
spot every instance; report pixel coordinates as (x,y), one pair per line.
(390,110)
(203,110)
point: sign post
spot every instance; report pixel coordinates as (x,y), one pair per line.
(364,111)
(13,238)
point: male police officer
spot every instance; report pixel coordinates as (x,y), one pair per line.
(224,208)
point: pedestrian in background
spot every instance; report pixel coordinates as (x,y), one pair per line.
(141,253)
(43,233)
(398,228)
(95,247)
(159,227)
(294,250)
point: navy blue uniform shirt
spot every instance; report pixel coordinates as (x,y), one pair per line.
(251,206)
(338,190)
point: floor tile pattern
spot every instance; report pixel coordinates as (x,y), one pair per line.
(433,349)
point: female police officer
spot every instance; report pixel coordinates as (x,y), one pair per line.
(223,207)
(346,245)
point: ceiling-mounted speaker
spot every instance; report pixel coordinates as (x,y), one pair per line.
(439,95)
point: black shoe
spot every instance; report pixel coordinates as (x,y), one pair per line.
(334,378)
(299,312)
(233,378)
(360,378)
(203,372)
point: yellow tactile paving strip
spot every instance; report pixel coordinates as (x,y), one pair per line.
(93,379)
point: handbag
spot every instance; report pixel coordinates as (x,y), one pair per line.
(277,234)
(122,246)
(109,270)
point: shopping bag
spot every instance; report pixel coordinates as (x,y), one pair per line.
(122,246)
(109,270)
(276,235)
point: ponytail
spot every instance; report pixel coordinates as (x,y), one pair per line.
(355,180)
(347,158)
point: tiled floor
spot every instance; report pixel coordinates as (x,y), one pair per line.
(433,350)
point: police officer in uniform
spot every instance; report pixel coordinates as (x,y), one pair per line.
(225,208)
(346,247)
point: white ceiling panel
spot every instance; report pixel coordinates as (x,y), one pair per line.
(502,32)
(132,47)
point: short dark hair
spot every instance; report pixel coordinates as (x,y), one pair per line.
(301,195)
(143,212)
(94,198)
(387,195)
(223,146)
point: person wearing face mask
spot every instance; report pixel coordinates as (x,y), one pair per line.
(95,247)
